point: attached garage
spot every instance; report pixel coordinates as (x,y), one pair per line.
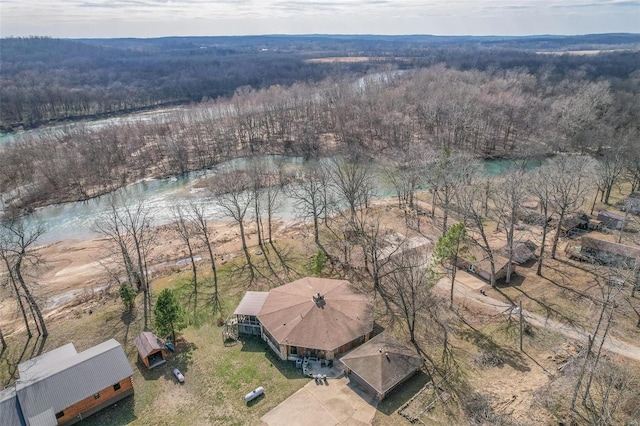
(381,364)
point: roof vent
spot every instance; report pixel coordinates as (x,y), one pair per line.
(387,355)
(319,299)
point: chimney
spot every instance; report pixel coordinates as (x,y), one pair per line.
(387,355)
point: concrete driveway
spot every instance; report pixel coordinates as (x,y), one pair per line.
(336,403)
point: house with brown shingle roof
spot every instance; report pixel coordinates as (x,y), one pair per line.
(314,317)
(381,364)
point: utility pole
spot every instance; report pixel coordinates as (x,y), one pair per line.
(520,312)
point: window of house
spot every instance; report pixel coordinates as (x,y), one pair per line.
(96,395)
(116,387)
(59,414)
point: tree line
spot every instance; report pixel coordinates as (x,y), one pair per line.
(382,116)
(46,80)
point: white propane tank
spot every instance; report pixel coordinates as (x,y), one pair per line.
(254,394)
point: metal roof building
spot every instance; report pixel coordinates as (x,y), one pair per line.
(52,383)
(10,414)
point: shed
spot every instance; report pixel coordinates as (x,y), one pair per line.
(477,262)
(574,225)
(151,349)
(381,364)
(609,252)
(611,220)
(523,251)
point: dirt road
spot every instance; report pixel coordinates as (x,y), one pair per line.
(467,290)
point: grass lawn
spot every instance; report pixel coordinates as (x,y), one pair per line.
(216,376)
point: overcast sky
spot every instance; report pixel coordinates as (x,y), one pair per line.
(154,18)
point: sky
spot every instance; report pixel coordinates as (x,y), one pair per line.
(156,18)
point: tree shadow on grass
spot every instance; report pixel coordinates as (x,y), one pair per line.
(511,357)
(550,311)
(127,317)
(286,368)
(516,281)
(15,354)
(403,393)
(252,344)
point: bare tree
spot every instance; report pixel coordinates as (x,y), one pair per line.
(234,196)
(199,220)
(128,228)
(600,406)
(407,287)
(378,244)
(609,170)
(309,198)
(186,230)
(406,173)
(353,181)
(508,198)
(6,257)
(16,247)
(471,200)
(571,178)
(450,171)
(541,186)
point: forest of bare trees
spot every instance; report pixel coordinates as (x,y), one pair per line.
(487,115)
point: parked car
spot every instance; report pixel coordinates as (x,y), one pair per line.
(178,375)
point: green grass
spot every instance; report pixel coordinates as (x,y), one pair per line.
(217,376)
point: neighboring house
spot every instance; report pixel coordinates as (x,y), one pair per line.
(611,220)
(313,317)
(477,262)
(381,364)
(631,203)
(63,386)
(247,312)
(608,252)
(523,251)
(574,225)
(151,350)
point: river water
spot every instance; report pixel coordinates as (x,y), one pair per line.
(76,220)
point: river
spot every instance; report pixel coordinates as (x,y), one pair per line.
(76,220)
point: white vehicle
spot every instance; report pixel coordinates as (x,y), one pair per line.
(178,375)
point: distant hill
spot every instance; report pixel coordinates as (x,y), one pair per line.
(46,79)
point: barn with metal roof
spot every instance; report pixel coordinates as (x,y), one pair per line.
(63,386)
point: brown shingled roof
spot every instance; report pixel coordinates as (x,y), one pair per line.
(370,362)
(147,342)
(292,316)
